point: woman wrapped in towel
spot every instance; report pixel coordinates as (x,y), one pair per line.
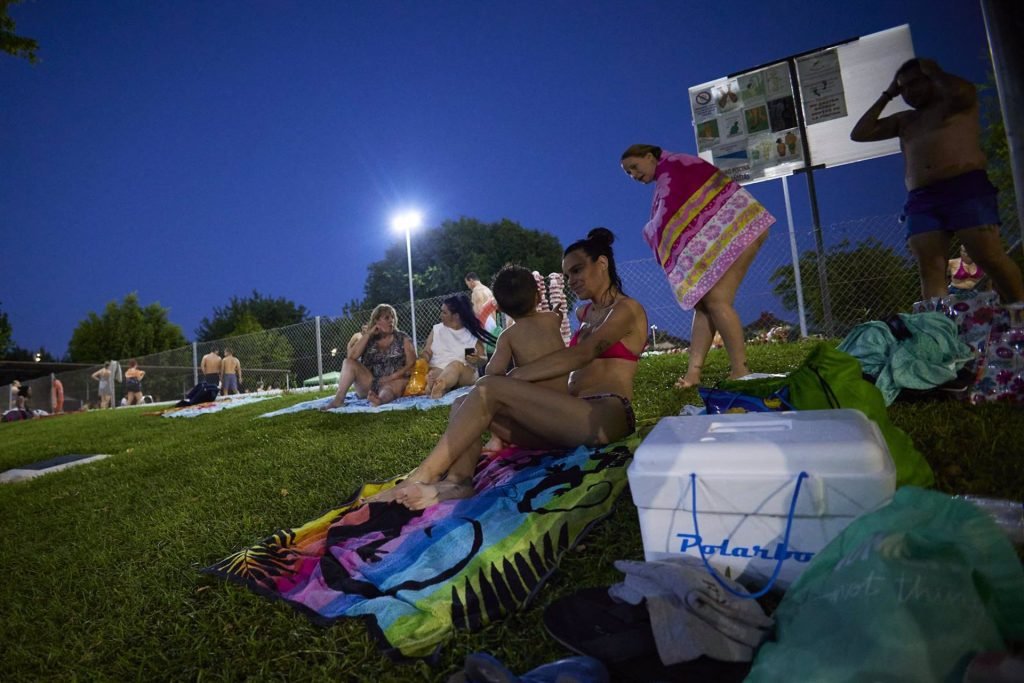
(597,409)
(704,231)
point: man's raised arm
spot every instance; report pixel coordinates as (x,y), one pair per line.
(870,128)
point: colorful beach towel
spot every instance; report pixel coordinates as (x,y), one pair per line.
(416,576)
(215,406)
(353,404)
(701,221)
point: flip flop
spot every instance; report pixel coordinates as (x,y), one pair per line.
(590,623)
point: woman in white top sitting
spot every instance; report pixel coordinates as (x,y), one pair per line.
(455,347)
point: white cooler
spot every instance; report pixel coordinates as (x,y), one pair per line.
(746,468)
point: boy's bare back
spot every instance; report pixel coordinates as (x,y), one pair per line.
(533,336)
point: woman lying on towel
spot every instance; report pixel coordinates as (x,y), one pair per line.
(602,357)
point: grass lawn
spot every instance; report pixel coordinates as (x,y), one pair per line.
(100,563)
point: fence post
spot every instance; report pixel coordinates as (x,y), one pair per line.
(1003,22)
(796,260)
(195,364)
(319,355)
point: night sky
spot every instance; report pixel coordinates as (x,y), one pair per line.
(191,151)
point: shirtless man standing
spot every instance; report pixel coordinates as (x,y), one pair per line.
(210,366)
(230,373)
(949,191)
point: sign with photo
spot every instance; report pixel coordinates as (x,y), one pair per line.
(748,124)
(733,159)
(707,134)
(727,96)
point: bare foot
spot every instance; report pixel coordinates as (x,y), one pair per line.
(419,496)
(493,445)
(335,403)
(387,496)
(437,391)
(373,398)
(742,372)
(689,380)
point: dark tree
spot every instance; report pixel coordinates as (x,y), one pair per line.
(238,316)
(868,281)
(11,42)
(442,256)
(5,334)
(123,331)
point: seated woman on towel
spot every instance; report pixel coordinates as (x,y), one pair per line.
(455,347)
(602,357)
(378,363)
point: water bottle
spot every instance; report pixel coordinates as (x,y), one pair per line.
(1007,514)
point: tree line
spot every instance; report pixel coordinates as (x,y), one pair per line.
(442,258)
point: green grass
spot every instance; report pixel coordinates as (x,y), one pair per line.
(100,563)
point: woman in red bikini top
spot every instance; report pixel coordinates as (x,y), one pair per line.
(597,409)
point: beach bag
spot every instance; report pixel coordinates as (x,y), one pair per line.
(418,380)
(200,393)
(718,401)
(909,592)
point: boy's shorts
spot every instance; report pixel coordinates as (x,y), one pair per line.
(963,201)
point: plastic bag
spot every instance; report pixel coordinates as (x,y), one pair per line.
(418,380)
(906,593)
(718,401)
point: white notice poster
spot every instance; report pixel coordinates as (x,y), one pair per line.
(821,87)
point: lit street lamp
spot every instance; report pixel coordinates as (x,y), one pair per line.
(408,222)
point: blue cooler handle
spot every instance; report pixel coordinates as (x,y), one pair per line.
(785,540)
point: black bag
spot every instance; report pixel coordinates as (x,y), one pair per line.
(200,393)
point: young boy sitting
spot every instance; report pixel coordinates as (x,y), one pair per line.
(534,334)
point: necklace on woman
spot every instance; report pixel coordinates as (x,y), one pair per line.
(596,305)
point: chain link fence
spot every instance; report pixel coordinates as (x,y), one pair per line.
(868,275)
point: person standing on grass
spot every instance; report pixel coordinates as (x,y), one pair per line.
(12,396)
(210,366)
(56,395)
(948,188)
(705,231)
(106,385)
(133,383)
(230,373)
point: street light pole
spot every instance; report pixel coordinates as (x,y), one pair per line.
(412,298)
(408,222)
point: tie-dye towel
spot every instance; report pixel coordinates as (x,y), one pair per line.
(361,405)
(701,221)
(460,564)
(215,406)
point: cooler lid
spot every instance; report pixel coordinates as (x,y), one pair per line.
(842,441)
